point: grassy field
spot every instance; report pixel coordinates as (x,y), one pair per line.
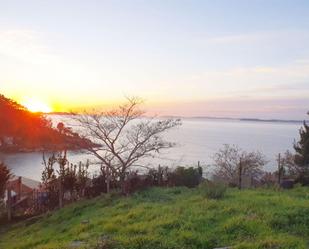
(172,218)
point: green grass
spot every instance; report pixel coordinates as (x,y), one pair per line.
(173,218)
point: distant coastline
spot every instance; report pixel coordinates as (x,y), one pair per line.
(214,118)
(58,113)
(251,119)
(242,119)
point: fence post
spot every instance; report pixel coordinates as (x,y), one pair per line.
(160,175)
(9,202)
(279,170)
(19,182)
(60,192)
(240,174)
(107,180)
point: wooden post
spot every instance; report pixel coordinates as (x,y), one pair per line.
(9,202)
(60,193)
(19,188)
(107,180)
(200,170)
(159,175)
(251,180)
(279,169)
(240,174)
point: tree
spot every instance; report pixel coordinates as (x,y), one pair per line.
(22,130)
(287,165)
(124,136)
(49,180)
(67,178)
(5,175)
(302,152)
(82,177)
(232,164)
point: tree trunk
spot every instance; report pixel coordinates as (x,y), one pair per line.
(122,183)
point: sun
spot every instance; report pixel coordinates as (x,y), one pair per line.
(35,105)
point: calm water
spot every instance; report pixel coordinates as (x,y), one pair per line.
(197,140)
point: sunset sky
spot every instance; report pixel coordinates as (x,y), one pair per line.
(190,58)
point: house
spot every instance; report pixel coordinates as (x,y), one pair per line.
(22,190)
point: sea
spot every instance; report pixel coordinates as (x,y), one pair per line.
(196,142)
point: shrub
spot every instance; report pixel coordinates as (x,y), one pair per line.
(189,177)
(212,190)
(2,210)
(135,182)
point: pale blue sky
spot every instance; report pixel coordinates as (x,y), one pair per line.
(217,58)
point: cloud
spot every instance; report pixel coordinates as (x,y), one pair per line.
(29,63)
(284,36)
(281,80)
(281,108)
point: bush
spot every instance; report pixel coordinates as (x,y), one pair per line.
(212,190)
(303,180)
(189,177)
(2,210)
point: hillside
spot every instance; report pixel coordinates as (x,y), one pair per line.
(22,130)
(172,218)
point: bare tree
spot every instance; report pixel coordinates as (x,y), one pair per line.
(5,175)
(232,163)
(124,136)
(288,166)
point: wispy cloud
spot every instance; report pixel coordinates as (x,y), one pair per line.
(284,36)
(27,59)
(255,81)
(281,108)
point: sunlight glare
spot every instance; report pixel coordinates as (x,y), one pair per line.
(35,105)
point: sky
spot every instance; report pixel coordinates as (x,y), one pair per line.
(232,58)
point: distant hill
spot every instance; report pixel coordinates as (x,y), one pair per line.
(22,130)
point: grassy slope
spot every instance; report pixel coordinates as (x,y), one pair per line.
(174,218)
